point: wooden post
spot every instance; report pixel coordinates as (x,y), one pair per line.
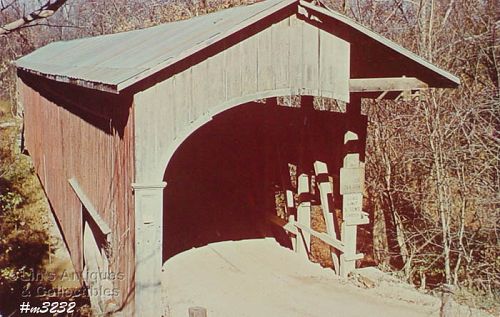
(351,188)
(290,205)
(197,312)
(326,188)
(148,248)
(303,216)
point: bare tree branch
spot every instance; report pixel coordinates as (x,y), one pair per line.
(45,11)
(4,6)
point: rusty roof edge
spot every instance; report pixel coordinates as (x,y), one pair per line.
(381,39)
(75,81)
(202,45)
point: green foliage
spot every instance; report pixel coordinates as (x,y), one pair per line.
(9,201)
(22,246)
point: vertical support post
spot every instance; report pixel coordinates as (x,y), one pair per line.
(303,216)
(351,188)
(148,247)
(326,188)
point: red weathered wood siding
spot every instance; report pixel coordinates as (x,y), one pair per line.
(73,132)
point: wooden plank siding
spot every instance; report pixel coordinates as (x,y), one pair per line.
(290,57)
(94,147)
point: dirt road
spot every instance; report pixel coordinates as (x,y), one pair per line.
(260,278)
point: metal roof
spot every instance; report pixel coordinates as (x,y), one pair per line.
(117,61)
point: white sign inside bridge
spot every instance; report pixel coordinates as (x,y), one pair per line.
(352,204)
(352,180)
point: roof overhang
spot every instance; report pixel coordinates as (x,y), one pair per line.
(374,56)
(385,65)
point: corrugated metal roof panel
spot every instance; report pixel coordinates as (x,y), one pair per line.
(113,59)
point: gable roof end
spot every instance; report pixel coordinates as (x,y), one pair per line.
(443,79)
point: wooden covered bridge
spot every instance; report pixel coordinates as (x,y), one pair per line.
(154,141)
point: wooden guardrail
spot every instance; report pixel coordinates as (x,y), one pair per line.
(343,249)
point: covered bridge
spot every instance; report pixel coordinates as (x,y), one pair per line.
(153,141)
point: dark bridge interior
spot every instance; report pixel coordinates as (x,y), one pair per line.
(222,180)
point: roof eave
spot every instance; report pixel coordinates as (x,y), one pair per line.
(75,81)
